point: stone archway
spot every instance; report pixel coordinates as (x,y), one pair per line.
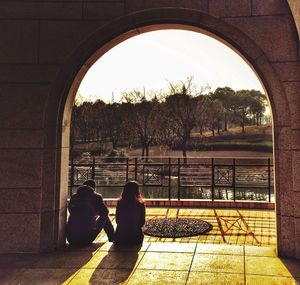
(124,28)
(59,40)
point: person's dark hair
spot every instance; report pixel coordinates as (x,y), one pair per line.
(131,192)
(84,190)
(91,183)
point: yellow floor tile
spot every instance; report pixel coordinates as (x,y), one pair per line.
(166,261)
(260,251)
(101,276)
(172,247)
(158,277)
(220,249)
(114,260)
(272,266)
(66,259)
(218,263)
(38,276)
(201,278)
(270,280)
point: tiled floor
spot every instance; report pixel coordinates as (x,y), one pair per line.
(153,263)
(199,260)
(230,226)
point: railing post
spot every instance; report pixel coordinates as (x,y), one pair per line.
(178,181)
(169,185)
(233,180)
(127,168)
(212,179)
(93,168)
(269,178)
(135,170)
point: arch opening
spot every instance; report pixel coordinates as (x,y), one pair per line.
(105,48)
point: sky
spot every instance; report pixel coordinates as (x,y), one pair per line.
(151,60)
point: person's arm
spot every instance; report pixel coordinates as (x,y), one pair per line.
(117,213)
(142,215)
(102,210)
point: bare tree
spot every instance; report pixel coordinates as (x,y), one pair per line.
(183,110)
(145,117)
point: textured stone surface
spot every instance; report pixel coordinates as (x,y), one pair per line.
(295,139)
(288,71)
(297,227)
(49,184)
(70,35)
(296,171)
(270,7)
(22,105)
(19,42)
(288,228)
(276,94)
(135,5)
(284,138)
(287,240)
(275,35)
(284,181)
(31,73)
(26,138)
(287,248)
(47,236)
(104,10)
(19,232)
(297,203)
(298,251)
(230,8)
(292,90)
(20,200)
(40,10)
(20,168)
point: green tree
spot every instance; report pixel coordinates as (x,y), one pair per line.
(225,96)
(241,106)
(258,105)
(214,114)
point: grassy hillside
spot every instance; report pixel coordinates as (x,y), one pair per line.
(255,138)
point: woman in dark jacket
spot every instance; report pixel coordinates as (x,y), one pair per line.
(130,215)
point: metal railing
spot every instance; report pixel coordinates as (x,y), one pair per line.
(173,178)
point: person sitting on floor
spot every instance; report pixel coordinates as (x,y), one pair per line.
(130,215)
(88,216)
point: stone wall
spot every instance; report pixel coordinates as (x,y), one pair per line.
(46,48)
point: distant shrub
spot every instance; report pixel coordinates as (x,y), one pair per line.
(116,155)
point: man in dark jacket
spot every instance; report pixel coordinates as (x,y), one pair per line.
(88,216)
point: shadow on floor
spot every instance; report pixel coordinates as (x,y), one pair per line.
(115,266)
(58,267)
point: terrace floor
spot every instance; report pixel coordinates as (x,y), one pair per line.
(239,250)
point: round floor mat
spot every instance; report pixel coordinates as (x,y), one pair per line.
(173,228)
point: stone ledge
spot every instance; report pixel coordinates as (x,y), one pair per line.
(201,203)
